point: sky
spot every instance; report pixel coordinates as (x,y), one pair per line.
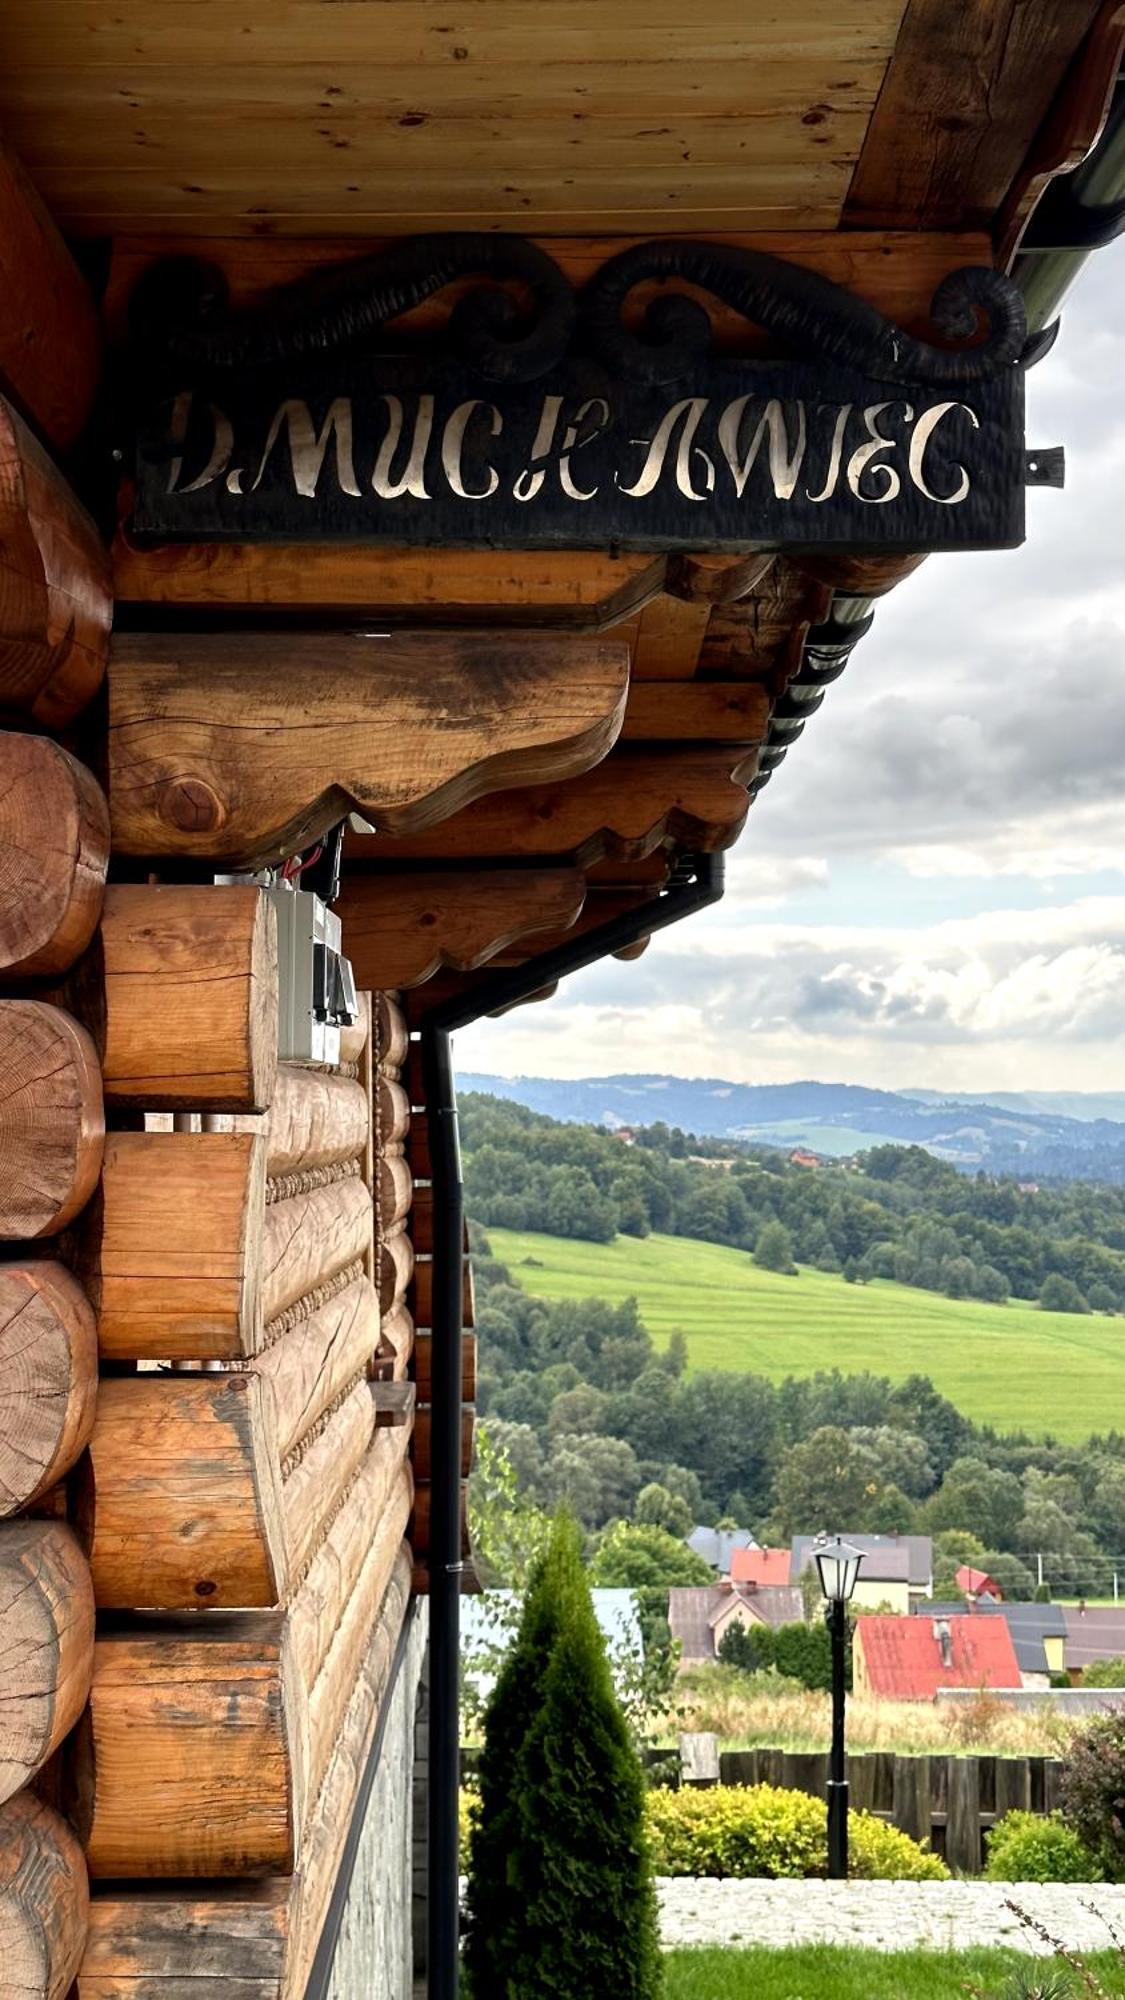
(931,890)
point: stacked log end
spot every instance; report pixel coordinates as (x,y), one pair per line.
(54,845)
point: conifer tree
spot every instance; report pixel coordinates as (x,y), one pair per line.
(493,1903)
(580,1911)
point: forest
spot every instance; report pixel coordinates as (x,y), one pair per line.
(897,1212)
(591,1415)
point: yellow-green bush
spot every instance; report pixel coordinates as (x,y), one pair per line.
(1039,1847)
(764,1830)
(468,1814)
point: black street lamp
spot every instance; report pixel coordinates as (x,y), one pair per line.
(838,1564)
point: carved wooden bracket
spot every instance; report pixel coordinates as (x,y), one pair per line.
(398,929)
(247,747)
(638,798)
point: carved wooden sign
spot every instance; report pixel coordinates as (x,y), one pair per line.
(568,425)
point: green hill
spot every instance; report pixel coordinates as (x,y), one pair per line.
(1013,1366)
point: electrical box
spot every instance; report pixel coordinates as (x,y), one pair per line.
(316,988)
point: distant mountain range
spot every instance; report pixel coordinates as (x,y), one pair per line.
(1063,1134)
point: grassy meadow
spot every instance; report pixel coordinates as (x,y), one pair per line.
(1012,1365)
(745,1714)
(826,1972)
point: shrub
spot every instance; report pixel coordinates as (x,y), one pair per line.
(1092,1794)
(746,1830)
(1104,1674)
(1037,1847)
(881,1853)
(561,1893)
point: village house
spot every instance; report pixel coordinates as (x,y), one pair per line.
(760,1567)
(699,1617)
(1038,1633)
(896,1571)
(909,1659)
(975,1584)
(717,1546)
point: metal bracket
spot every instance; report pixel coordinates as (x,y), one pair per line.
(1045,468)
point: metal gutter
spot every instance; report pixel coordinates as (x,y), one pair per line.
(696,882)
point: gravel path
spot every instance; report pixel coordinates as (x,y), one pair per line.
(888,1916)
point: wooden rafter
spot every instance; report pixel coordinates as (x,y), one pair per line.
(400,928)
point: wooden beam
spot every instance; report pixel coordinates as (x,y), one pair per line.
(194,1760)
(419,1533)
(55,602)
(315,1120)
(602,906)
(626,807)
(50,331)
(964,95)
(392,1036)
(54,832)
(171,1252)
(46,1644)
(392,1111)
(44,1900)
(309,1238)
(253,1940)
(48,1378)
(478,587)
(329,1460)
(316,1360)
(398,929)
(190,997)
(51,1121)
(423,1366)
(696,712)
(246,748)
(394,1191)
(209,1738)
(396,1268)
(422,1295)
(396,1342)
(186,1494)
(423,1442)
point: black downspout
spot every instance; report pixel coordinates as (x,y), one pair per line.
(697,881)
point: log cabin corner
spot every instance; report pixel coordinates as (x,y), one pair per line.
(446,457)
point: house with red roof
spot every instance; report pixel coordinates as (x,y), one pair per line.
(909,1659)
(976,1584)
(766,1568)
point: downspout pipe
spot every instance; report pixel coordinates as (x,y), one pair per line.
(696,882)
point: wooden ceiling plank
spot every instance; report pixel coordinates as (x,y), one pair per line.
(271,34)
(965,93)
(247,746)
(399,929)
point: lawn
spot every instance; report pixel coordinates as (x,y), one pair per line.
(822,1972)
(1012,1365)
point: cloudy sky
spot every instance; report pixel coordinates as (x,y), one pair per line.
(932,889)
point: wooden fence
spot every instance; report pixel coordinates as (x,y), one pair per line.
(950,1801)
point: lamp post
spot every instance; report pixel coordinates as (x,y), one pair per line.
(838,1564)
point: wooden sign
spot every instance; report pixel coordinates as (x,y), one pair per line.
(292,423)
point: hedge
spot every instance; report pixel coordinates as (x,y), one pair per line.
(766,1831)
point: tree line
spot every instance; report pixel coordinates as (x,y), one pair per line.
(592,1417)
(897,1212)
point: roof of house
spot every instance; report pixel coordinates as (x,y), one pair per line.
(717,1545)
(903,1656)
(1097,1633)
(760,1566)
(693,1610)
(1029,1625)
(886,1558)
(976,1581)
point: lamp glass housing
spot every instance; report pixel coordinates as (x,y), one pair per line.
(838,1564)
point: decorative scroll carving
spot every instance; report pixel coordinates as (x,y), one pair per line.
(811,317)
(181,307)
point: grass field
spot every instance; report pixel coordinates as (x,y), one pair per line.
(1012,1366)
(822,1972)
